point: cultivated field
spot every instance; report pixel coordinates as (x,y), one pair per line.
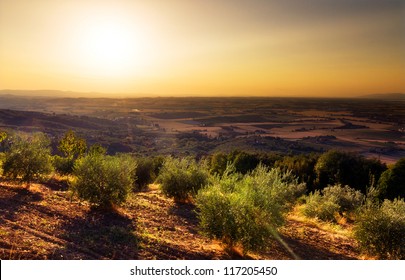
(200,126)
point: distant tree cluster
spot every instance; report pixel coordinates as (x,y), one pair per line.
(318,171)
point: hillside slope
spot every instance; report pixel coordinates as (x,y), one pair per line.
(42,222)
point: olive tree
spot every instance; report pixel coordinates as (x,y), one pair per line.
(28,158)
(392,182)
(104,180)
(72,147)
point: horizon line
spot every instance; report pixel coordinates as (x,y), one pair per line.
(111,95)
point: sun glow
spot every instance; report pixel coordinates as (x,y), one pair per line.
(108,47)
(203,47)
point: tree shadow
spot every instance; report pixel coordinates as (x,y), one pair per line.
(99,235)
(186,212)
(56,185)
(306,251)
(161,250)
(15,198)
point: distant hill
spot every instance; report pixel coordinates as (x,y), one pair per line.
(49,93)
(385,96)
(69,94)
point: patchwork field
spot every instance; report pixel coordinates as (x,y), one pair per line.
(200,126)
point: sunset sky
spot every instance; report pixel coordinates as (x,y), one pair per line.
(207,47)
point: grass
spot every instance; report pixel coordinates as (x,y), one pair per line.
(342,227)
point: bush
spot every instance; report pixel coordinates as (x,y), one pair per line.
(347,198)
(380,229)
(334,200)
(392,182)
(103,180)
(3,137)
(71,145)
(247,210)
(63,165)
(243,162)
(317,206)
(182,178)
(28,158)
(2,158)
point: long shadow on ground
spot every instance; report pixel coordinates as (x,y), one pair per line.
(307,251)
(187,213)
(99,235)
(14,199)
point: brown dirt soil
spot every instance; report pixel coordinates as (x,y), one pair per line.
(44,222)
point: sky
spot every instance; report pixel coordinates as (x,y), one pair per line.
(211,48)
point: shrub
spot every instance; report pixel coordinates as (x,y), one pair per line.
(391,184)
(3,137)
(97,149)
(247,209)
(71,145)
(218,162)
(2,158)
(317,206)
(347,198)
(182,178)
(63,165)
(380,229)
(28,158)
(331,201)
(243,162)
(103,180)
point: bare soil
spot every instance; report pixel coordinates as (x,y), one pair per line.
(45,222)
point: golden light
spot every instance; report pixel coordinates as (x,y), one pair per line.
(108,47)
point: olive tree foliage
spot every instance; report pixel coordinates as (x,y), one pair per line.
(332,202)
(28,157)
(3,137)
(242,161)
(380,228)
(392,182)
(72,147)
(247,209)
(103,180)
(181,179)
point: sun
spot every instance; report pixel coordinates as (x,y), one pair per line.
(107,47)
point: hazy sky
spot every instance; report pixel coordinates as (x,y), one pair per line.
(208,47)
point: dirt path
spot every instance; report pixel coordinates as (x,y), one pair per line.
(42,223)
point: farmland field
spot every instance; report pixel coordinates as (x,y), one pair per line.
(200,126)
